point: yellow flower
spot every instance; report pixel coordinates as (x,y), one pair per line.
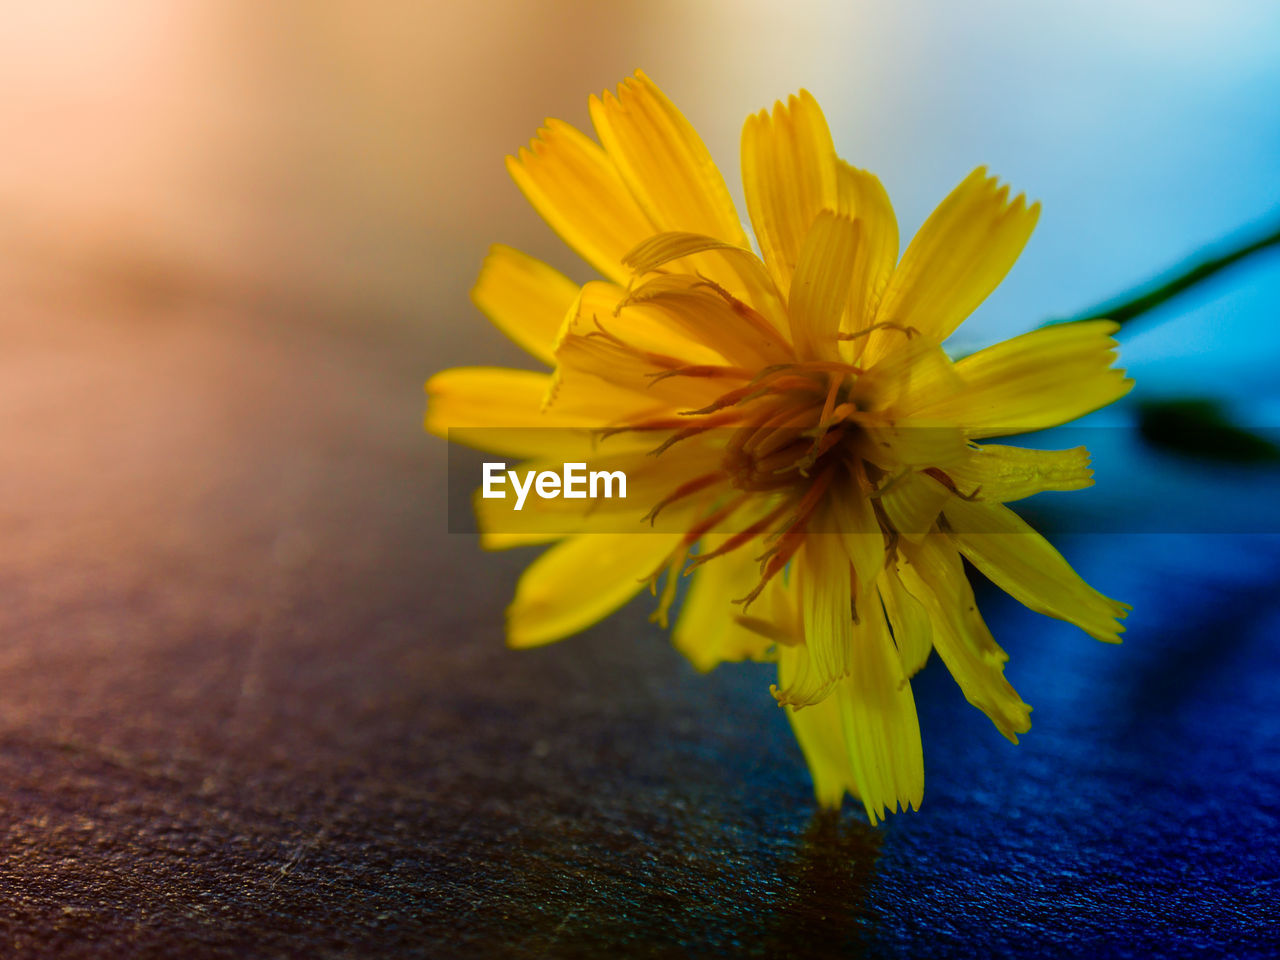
(816,462)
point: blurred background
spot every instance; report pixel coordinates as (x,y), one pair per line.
(255,699)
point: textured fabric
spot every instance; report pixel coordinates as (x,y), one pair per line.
(256,703)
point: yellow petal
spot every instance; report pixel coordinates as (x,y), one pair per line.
(912,502)
(1001,474)
(915,443)
(935,576)
(1038,380)
(863,197)
(703,315)
(526,299)
(663,162)
(864,737)
(820,289)
(880,724)
(959,256)
(610,352)
(820,731)
(609,311)
(493,408)
(909,620)
(801,684)
(580,581)
(826,603)
(701,259)
(485,397)
(507,541)
(916,376)
(605,308)
(708,630)
(788,176)
(574,185)
(662,248)
(852,515)
(1024,565)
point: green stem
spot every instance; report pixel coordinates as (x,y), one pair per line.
(1167,286)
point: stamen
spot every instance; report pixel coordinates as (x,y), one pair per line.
(784,460)
(945,479)
(660,615)
(665,423)
(724,400)
(764,440)
(770,440)
(701,370)
(883,325)
(825,442)
(684,490)
(705,525)
(757,320)
(738,539)
(647,356)
(809,502)
(676,437)
(824,420)
(829,366)
(782,554)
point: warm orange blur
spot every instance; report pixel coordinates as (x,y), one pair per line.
(343,158)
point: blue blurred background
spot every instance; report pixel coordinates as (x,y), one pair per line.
(256,698)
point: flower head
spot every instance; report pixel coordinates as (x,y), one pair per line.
(791,416)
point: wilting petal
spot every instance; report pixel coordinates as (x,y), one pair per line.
(959,256)
(703,314)
(1023,564)
(610,354)
(1002,474)
(582,580)
(526,299)
(609,310)
(664,162)
(935,576)
(788,176)
(801,685)
(742,275)
(663,248)
(1038,380)
(574,185)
